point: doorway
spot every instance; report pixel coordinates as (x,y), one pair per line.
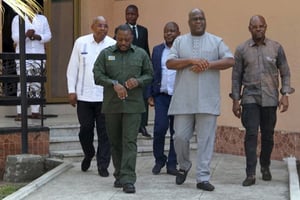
(63,18)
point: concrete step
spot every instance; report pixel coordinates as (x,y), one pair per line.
(70,130)
(72,142)
(77,155)
(70,155)
(64,142)
(60,143)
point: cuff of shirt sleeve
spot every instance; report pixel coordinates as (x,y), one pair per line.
(287,91)
(234,97)
(140,83)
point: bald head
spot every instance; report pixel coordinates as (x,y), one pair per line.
(194,12)
(100,28)
(98,19)
(197,22)
(257,28)
(256,18)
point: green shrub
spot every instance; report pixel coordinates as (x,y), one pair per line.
(7,189)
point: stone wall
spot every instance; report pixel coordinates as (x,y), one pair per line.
(11,144)
(230,140)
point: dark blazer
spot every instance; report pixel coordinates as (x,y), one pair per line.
(142,40)
(154,88)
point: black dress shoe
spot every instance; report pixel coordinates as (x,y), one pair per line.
(156,169)
(266,174)
(128,188)
(103,172)
(117,184)
(205,185)
(85,164)
(181,176)
(250,180)
(144,132)
(173,172)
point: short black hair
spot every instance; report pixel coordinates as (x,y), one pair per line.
(133,7)
(123,27)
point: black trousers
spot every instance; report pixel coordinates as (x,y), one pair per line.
(255,116)
(144,119)
(89,114)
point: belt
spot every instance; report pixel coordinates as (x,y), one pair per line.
(164,93)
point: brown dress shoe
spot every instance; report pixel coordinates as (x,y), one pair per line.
(36,116)
(18,117)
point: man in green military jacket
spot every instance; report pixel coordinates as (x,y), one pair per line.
(123,70)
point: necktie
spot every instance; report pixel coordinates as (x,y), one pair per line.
(134,32)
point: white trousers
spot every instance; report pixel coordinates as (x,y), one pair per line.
(204,125)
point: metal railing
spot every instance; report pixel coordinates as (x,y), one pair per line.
(9,79)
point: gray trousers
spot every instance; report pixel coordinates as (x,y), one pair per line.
(204,125)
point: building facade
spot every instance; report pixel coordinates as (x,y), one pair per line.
(229,19)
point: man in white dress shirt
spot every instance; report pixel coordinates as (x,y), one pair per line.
(87,96)
(37,33)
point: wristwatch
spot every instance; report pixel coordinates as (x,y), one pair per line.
(114,82)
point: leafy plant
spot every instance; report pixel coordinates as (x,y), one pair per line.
(7,189)
(22,8)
